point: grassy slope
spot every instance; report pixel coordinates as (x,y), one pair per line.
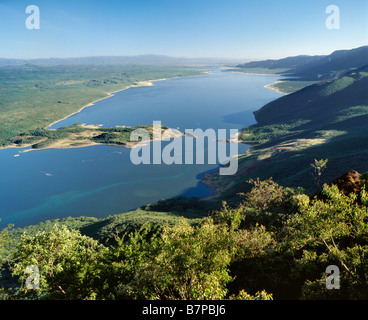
(33,97)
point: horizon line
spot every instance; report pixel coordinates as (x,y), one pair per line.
(173,56)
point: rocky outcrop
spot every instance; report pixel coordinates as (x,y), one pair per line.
(348,183)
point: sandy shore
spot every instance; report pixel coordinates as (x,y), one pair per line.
(271,86)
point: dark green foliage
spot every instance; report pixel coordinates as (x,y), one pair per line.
(5,241)
(180,204)
(318,167)
(107,137)
(364,181)
(70,264)
(331,232)
(258,134)
(268,203)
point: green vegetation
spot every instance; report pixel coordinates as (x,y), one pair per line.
(33,97)
(4,243)
(276,244)
(352,112)
(318,167)
(338,85)
(259,134)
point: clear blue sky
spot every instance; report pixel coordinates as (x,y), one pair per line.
(255,29)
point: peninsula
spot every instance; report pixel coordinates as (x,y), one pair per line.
(80,135)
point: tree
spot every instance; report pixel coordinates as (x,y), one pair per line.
(4,240)
(331,232)
(267,203)
(69,264)
(318,167)
(124,261)
(5,243)
(191,264)
(192,261)
(364,181)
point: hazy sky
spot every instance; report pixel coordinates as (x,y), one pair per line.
(255,29)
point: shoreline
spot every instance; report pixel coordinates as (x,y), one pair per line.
(271,87)
(232,70)
(108,95)
(267,86)
(256,74)
(145,83)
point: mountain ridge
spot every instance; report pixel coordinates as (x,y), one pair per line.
(143,59)
(305,67)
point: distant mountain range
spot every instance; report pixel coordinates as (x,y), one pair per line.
(316,67)
(146,59)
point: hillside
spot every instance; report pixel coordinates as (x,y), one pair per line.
(333,64)
(327,120)
(311,68)
(288,63)
(331,97)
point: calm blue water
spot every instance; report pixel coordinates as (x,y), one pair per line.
(101,180)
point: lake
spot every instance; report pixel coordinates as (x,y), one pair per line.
(101,180)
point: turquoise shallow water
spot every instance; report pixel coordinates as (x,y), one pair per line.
(101,180)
